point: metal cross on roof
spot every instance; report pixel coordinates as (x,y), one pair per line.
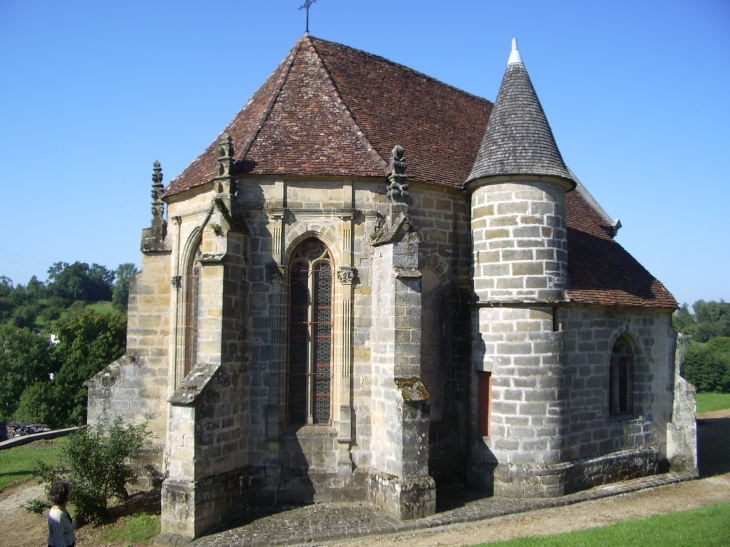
(307,4)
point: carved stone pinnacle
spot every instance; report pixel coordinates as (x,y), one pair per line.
(398,190)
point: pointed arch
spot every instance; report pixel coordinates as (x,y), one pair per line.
(188,306)
(621,377)
(310,334)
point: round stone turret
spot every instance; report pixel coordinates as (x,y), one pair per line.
(518,184)
(520,258)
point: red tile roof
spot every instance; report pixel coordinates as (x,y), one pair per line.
(330,110)
(601,271)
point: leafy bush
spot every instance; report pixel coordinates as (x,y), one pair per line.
(36,506)
(95,461)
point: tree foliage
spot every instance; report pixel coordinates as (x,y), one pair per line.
(120,293)
(707,358)
(24,360)
(38,405)
(87,343)
(712,318)
(79,281)
(707,365)
(96,464)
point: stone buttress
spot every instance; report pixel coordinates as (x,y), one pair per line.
(206,449)
(399,482)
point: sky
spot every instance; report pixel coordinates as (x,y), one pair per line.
(92,93)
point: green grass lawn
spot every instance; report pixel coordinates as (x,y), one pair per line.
(101,307)
(707,526)
(134,529)
(707,402)
(16,464)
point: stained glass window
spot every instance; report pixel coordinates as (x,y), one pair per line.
(192,299)
(310,334)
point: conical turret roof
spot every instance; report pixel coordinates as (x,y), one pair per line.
(518,139)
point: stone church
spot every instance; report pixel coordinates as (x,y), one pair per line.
(373,283)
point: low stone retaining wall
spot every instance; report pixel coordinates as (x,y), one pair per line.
(25,439)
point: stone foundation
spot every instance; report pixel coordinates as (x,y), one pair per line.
(193,508)
(402,498)
(517,481)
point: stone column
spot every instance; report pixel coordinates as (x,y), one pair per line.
(399,484)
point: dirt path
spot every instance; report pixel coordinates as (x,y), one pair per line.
(589,514)
(29,530)
(26,529)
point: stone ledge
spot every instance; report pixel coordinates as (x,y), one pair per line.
(337,521)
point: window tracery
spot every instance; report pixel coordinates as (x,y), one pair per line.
(310,335)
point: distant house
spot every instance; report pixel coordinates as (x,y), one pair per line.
(373,283)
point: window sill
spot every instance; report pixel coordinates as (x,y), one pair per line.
(325,430)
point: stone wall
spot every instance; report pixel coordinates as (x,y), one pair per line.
(589,338)
(520,246)
(344,215)
(682,431)
(135,387)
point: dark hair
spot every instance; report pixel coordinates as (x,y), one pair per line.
(59,492)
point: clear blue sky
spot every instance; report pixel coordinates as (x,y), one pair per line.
(91,93)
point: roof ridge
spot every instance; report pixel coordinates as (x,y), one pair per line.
(274,97)
(403,67)
(348,113)
(260,122)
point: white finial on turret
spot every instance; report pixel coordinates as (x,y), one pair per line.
(514,57)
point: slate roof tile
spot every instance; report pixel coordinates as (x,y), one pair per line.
(518,139)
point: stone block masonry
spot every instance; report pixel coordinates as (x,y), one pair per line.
(520,247)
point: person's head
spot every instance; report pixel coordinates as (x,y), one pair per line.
(60,492)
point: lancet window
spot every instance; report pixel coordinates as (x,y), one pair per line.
(309,377)
(192,310)
(621,378)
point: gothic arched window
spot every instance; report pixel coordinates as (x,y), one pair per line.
(309,377)
(192,310)
(621,378)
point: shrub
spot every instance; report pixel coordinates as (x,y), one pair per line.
(36,506)
(95,461)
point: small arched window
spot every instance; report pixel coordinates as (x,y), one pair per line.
(309,377)
(192,310)
(621,378)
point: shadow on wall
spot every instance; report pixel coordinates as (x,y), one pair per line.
(713,448)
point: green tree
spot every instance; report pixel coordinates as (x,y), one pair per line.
(707,365)
(120,293)
(87,343)
(713,319)
(6,298)
(684,322)
(96,464)
(38,405)
(24,360)
(79,281)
